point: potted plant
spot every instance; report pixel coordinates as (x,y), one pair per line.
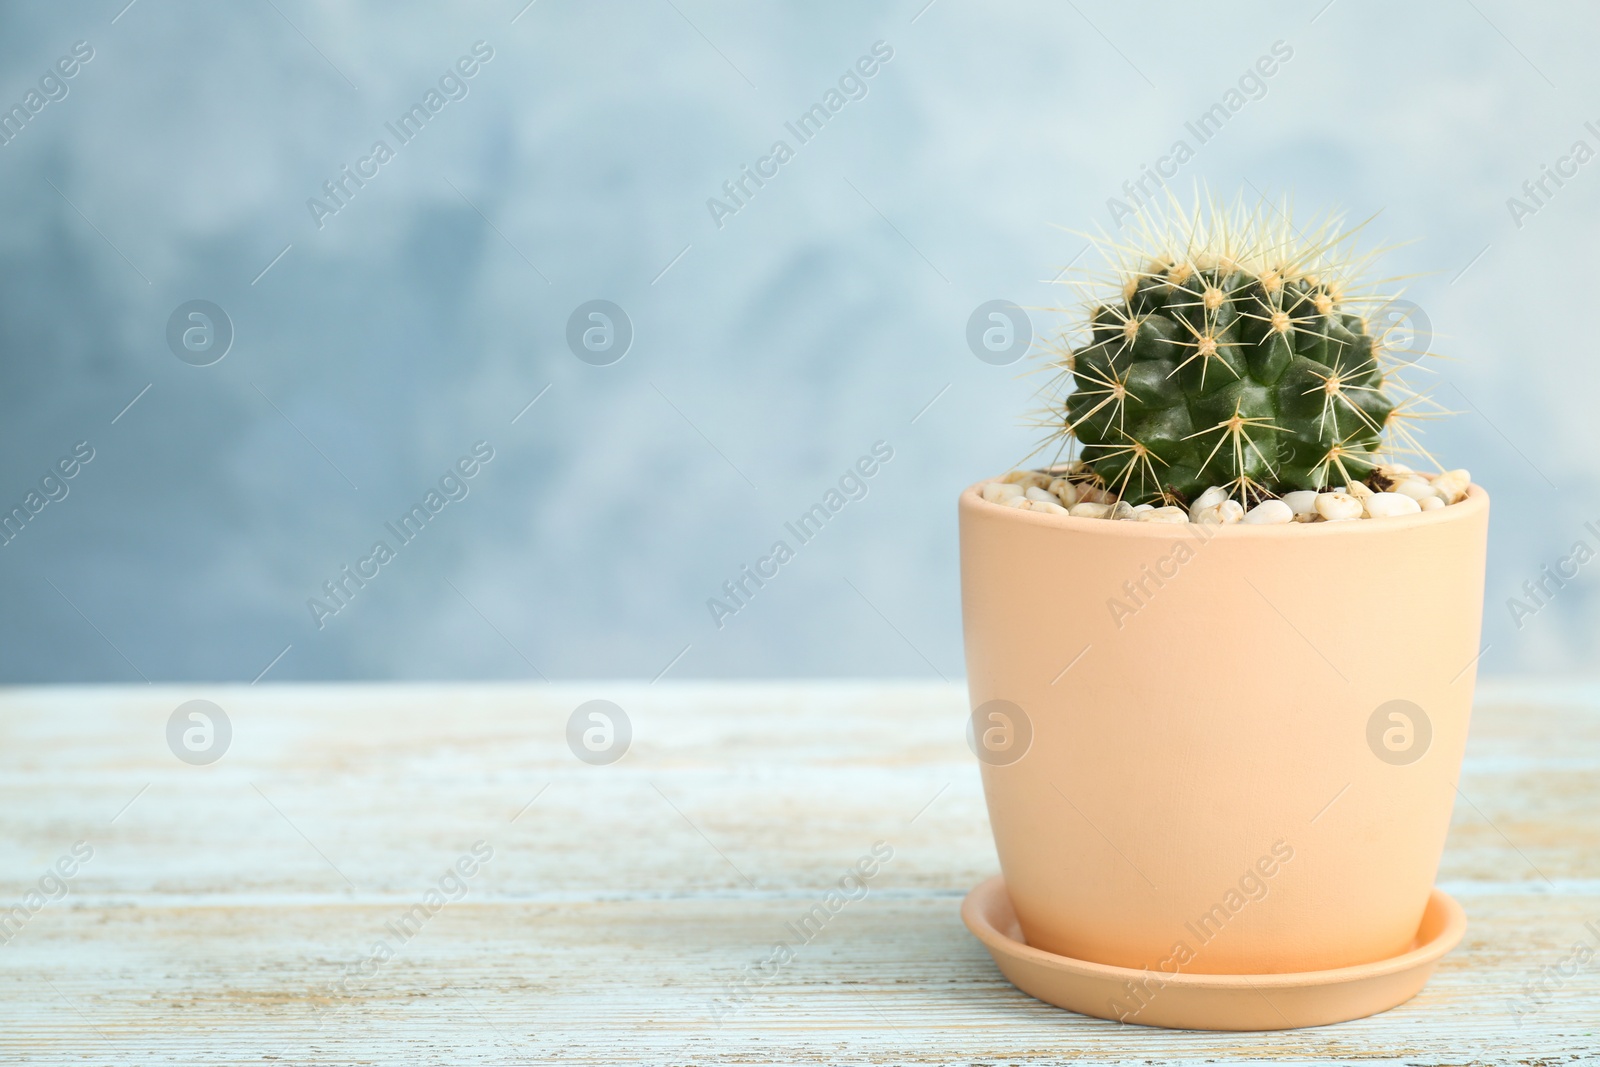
(1221,651)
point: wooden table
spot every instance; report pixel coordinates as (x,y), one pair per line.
(229,913)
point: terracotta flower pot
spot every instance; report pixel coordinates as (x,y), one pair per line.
(1224,750)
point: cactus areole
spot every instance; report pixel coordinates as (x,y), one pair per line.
(1229,348)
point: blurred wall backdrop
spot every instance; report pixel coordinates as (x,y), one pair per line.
(378,338)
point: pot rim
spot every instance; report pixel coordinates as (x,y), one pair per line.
(1475,505)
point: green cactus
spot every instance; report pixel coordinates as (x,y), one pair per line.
(1235,352)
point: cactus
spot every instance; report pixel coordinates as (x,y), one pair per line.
(1233,350)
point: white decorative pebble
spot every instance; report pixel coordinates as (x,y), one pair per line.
(1338,507)
(1383,505)
(1418,490)
(1027,478)
(1065,491)
(1269,512)
(1410,493)
(1452,485)
(1093,495)
(1208,499)
(1303,503)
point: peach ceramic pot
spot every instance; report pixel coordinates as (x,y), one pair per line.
(1221,749)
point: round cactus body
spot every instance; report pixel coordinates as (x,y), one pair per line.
(1237,361)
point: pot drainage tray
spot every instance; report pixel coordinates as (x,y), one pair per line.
(1211,1001)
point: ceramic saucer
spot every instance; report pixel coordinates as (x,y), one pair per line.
(1211,1001)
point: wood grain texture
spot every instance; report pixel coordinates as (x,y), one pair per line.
(225,905)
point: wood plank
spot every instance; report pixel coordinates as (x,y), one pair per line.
(612,925)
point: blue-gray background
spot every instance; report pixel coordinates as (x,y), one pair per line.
(822,317)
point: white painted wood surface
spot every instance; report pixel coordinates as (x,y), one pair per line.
(222,904)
